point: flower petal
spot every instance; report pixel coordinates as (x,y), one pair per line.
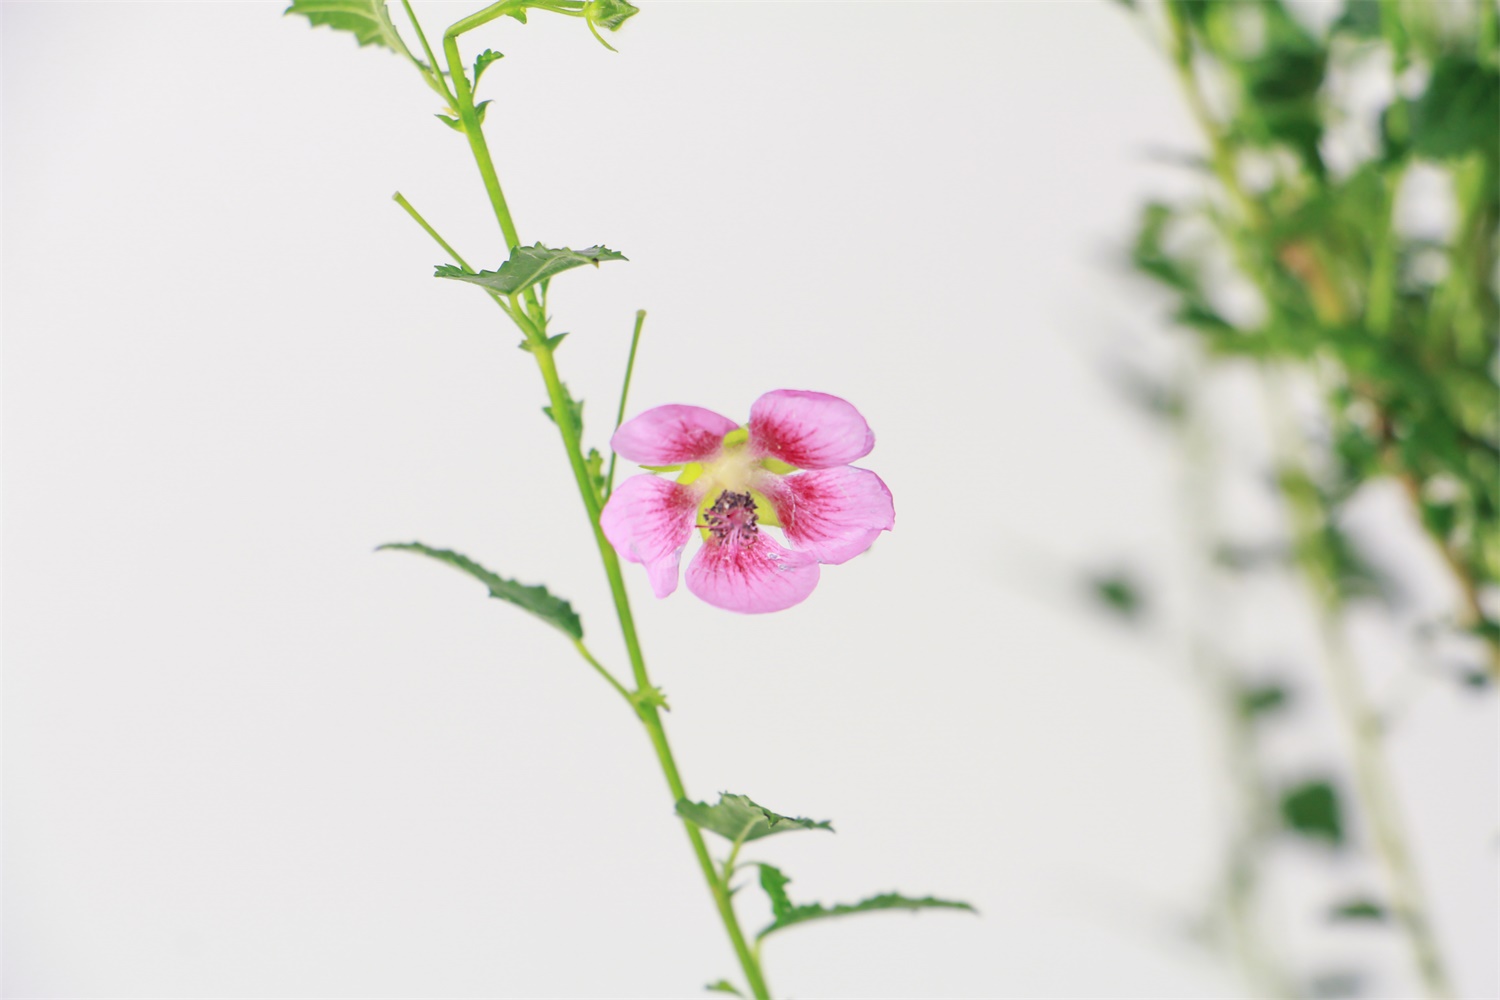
(811,430)
(649,520)
(833,514)
(751,576)
(671,435)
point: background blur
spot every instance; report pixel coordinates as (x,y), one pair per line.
(244,756)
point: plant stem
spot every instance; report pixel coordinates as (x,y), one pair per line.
(400,199)
(603,672)
(648,713)
(635,339)
(1371,773)
(1308,515)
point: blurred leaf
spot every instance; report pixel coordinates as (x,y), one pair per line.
(1257,700)
(1357,909)
(367,20)
(1312,810)
(788,914)
(594,462)
(553,610)
(1337,985)
(739,820)
(609,14)
(723,986)
(1118,593)
(1361,19)
(482,62)
(1458,111)
(575,409)
(529,265)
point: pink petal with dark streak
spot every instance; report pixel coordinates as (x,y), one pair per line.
(649,520)
(671,435)
(753,575)
(811,430)
(832,514)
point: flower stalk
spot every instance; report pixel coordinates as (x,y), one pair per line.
(533,328)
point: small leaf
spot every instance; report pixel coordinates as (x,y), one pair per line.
(788,914)
(575,410)
(609,14)
(553,610)
(1119,593)
(367,20)
(529,265)
(723,986)
(1257,700)
(594,462)
(652,696)
(1358,909)
(1312,810)
(482,62)
(738,819)
(456,124)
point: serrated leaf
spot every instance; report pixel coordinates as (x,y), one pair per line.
(483,61)
(367,20)
(553,610)
(1312,810)
(789,914)
(739,820)
(609,14)
(1358,909)
(529,265)
(723,986)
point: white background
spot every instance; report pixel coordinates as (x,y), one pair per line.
(246,757)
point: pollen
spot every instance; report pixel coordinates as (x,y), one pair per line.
(732,515)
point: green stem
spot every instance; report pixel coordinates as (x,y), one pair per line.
(435,73)
(1308,515)
(603,672)
(1372,777)
(470,120)
(650,717)
(400,199)
(635,339)
(535,332)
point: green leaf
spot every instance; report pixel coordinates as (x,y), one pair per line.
(368,20)
(788,914)
(609,14)
(575,409)
(1312,810)
(1358,909)
(1119,593)
(1457,112)
(1257,700)
(457,125)
(529,265)
(738,819)
(1361,19)
(595,464)
(723,986)
(482,62)
(553,610)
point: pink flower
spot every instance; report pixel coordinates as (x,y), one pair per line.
(737,480)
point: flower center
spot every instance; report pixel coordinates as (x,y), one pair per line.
(732,515)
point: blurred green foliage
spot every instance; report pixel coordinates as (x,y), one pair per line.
(1398,327)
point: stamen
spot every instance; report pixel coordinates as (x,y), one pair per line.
(732,514)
